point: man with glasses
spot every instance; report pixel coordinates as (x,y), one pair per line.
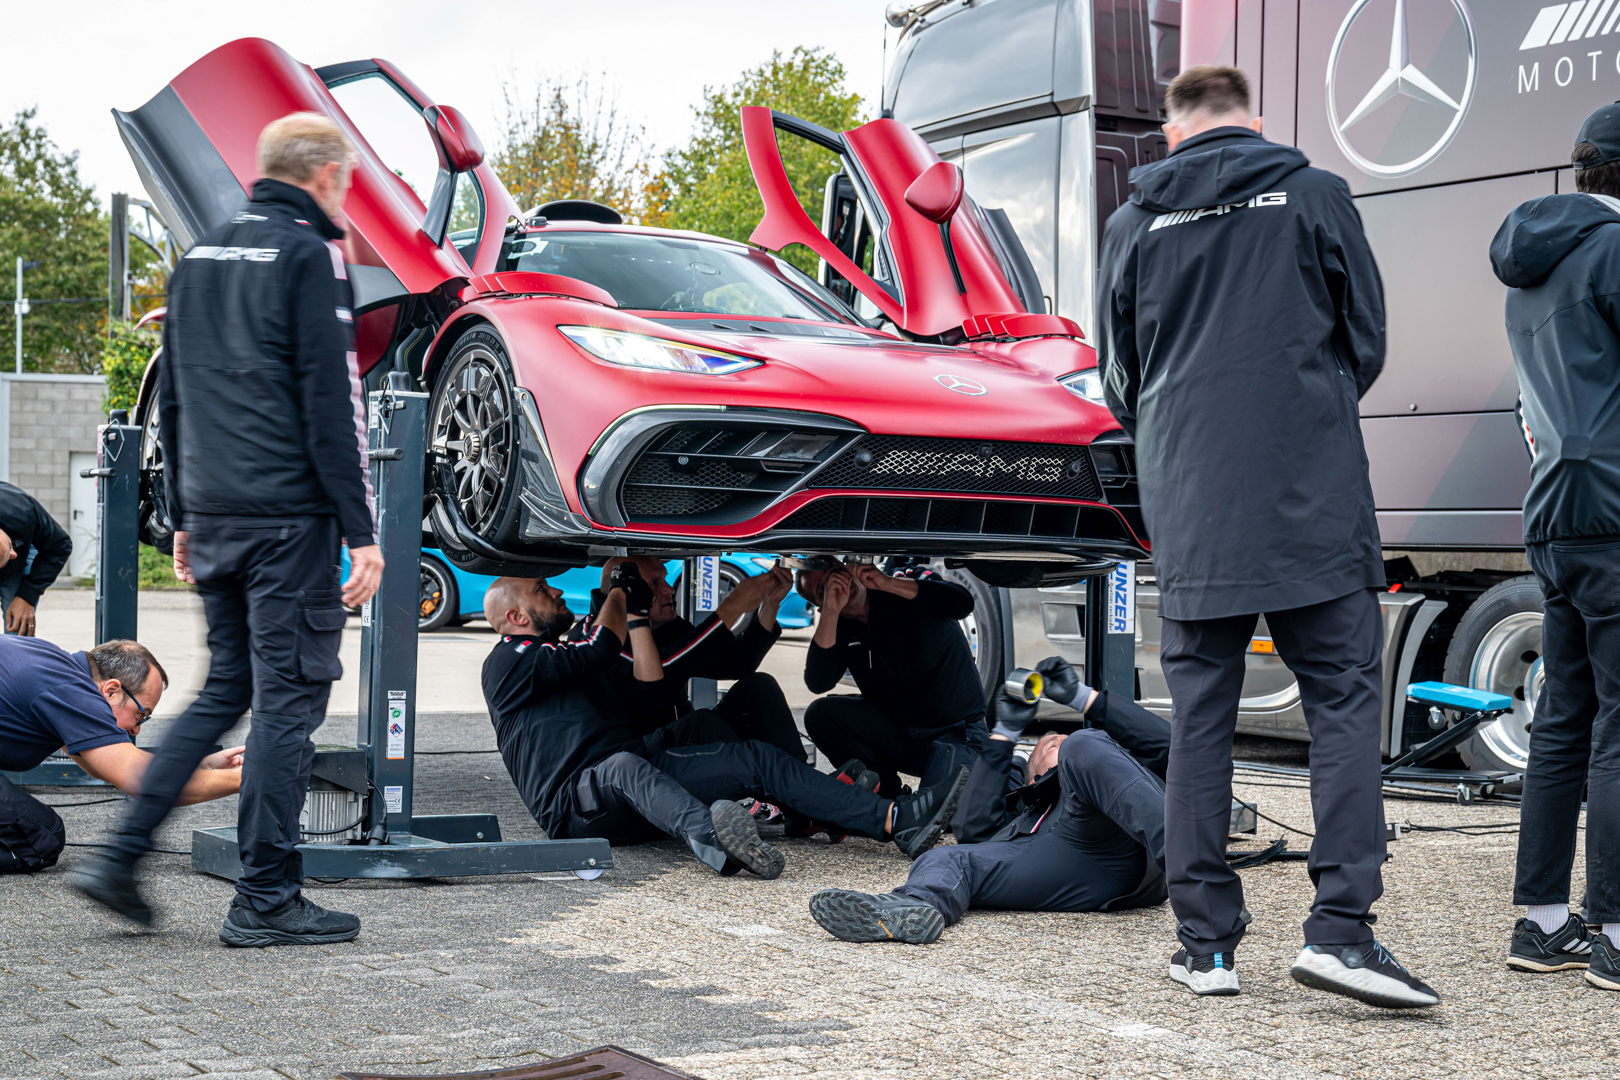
(91,705)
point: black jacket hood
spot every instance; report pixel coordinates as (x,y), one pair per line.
(1539,234)
(1216,167)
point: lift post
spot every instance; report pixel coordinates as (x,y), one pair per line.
(1110,630)
(700,595)
(392,840)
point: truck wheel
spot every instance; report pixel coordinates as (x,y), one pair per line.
(439,600)
(983,628)
(473,420)
(1497,647)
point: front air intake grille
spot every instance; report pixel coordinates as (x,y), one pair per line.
(913,463)
(721,471)
(957,517)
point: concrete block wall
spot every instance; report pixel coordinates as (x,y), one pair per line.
(44,419)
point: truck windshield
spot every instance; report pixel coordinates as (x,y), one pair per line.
(660,273)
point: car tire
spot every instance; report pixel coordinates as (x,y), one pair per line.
(984,628)
(473,420)
(1497,647)
(154,527)
(439,600)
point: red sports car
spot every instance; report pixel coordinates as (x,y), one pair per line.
(597,385)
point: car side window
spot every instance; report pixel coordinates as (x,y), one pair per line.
(394,128)
(466,217)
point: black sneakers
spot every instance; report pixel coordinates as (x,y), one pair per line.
(1604,970)
(1533,949)
(297,922)
(920,819)
(858,916)
(1206,974)
(1366,972)
(855,772)
(112,885)
(735,829)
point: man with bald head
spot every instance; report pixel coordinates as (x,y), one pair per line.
(729,644)
(583,768)
(1080,827)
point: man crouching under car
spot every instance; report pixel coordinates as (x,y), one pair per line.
(1081,828)
(580,765)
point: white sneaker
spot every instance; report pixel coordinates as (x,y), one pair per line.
(1366,972)
(1206,974)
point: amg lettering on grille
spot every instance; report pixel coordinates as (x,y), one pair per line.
(916,463)
(948,466)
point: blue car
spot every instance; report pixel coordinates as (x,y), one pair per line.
(451,596)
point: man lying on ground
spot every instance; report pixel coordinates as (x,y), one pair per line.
(718,648)
(921,706)
(92,705)
(584,770)
(1081,828)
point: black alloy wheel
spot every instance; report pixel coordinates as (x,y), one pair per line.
(155,528)
(439,600)
(474,422)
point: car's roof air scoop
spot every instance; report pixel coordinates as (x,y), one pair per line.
(576,210)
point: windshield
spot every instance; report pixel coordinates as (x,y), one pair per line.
(662,273)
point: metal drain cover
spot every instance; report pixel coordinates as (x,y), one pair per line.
(602,1063)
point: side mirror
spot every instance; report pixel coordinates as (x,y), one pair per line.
(937,193)
(461,146)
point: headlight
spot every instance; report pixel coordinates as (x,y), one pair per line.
(641,351)
(1085,384)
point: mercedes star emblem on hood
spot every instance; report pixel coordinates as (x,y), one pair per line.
(961,385)
(1400,78)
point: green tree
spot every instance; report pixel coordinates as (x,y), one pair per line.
(125,352)
(48,214)
(708,185)
(571,142)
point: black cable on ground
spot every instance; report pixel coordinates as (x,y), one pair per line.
(1280,824)
(91,802)
(441,753)
(1486,828)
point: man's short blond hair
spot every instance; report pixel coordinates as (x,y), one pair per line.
(294,148)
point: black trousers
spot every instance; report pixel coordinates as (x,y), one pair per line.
(754,708)
(1575,740)
(630,799)
(1092,853)
(31,834)
(1335,650)
(848,726)
(269,588)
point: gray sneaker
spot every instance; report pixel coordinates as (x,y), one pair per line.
(1367,972)
(921,819)
(734,827)
(297,922)
(857,916)
(1604,970)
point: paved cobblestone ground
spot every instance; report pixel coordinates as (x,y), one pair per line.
(729,978)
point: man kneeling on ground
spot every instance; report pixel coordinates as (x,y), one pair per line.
(921,706)
(92,705)
(584,771)
(1080,829)
(729,644)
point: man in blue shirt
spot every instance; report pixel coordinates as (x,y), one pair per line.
(90,705)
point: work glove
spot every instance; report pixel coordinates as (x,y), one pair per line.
(1062,684)
(638,595)
(1012,716)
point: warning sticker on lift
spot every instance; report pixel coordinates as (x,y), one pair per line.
(396,725)
(394,798)
(708,582)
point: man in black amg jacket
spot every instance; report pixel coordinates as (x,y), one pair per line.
(265,432)
(921,706)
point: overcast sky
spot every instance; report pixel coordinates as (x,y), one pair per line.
(77,61)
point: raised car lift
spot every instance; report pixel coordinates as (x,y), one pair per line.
(393,840)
